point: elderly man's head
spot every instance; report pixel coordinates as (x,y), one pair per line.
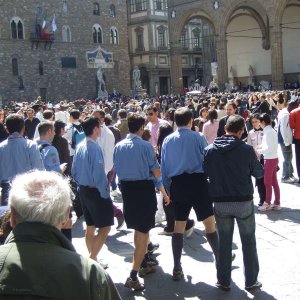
(40,196)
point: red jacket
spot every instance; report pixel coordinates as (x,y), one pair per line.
(295,122)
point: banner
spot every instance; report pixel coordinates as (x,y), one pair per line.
(99,58)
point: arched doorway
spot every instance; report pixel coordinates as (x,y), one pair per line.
(248,48)
(290,25)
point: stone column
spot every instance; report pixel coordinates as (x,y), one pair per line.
(221,48)
(277,58)
(176,69)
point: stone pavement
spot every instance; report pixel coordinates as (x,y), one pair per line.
(278,243)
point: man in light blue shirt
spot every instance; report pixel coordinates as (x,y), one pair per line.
(136,166)
(17,155)
(182,158)
(89,172)
(48,152)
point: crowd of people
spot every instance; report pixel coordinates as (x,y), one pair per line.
(158,154)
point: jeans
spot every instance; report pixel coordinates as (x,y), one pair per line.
(225,227)
(287,167)
(5,186)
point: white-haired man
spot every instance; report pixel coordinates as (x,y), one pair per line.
(37,261)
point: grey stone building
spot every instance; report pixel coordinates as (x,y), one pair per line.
(150,47)
(44,46)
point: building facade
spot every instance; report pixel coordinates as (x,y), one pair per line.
(150,46)
(44,46)
(255,40)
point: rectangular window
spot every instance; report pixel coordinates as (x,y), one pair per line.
(184,40)
(159,5)
(196,43)
(140,41)
(161,40)
(68,62)
(138,5)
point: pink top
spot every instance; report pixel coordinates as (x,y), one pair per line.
(210,130)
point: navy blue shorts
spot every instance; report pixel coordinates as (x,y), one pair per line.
(191,191)
(97,211)
(140,204)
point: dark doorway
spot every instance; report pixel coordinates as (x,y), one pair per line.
(185,81)
(144,78)
(43,94)
(163,86)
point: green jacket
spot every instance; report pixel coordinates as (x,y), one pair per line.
(38,262)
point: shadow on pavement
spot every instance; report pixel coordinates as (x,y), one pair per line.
(78,231)
(118,247)
(160,286)
(285,214)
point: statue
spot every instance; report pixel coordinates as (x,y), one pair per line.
(198,71)
(232,73)
(197,85)
(213,86)
(100,79)
(102,89)
(136,75)
(251,75)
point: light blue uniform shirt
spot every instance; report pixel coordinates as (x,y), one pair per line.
(88,166)
(134,159)
(182,152)
(49,156)
(17,156)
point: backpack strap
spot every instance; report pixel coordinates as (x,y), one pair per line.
(42,147)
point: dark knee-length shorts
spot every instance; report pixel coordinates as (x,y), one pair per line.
(191,191)
(97,211)
(140,204)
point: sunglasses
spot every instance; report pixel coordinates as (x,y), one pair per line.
(149,114)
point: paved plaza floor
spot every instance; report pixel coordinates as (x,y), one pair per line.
(278,243)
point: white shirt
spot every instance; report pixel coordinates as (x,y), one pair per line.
(39,115)
(269,143)
(284,125)
(106,141)
(62,116)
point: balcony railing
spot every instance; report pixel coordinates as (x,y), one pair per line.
(46,38)
(42,37)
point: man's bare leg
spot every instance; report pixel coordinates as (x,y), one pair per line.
(99,241)
(89,237)
(140,243)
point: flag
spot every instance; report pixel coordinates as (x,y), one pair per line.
(36,21)
(54,27)
(44,20)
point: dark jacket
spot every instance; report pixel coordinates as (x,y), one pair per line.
(229,163)
(38,262)
(222,123)
(62,146)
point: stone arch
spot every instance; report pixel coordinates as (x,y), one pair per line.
(256,11)
(183,18)
(280,8)
(287,21)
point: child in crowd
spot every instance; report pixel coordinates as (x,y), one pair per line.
(255,139)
